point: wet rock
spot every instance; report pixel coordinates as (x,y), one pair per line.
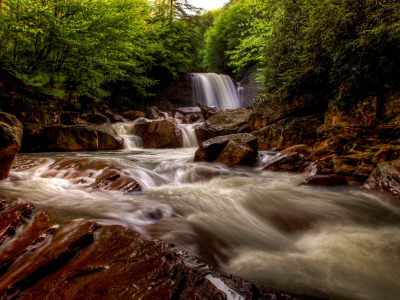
(185,111)
(119,118)
(203,134)
(363,172)
(385,177)
(97,119)
(207,111)
(32,237)
(10,137)
(193,118)
(212,148)
(302,150)
(133,115)
(289,163)
(331,180)
(203,173)
(187,120)
(237,153)
(229,121)
(12,217)
(160,134)
(108,139)
(71,138)
(386,154)
(178,115)
(275,109)
(289,132)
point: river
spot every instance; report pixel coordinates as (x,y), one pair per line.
(337,242)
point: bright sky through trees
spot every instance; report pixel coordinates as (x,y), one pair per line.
(208,4)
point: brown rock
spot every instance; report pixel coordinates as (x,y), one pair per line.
(159,134)
(203,134)
(363,172)
(386,154)
(204,173)
(133,115)
(71,138)
(187,119)
(229,121)
(178,115)
(10,137)
(97,119)
(70,117)
(211,149)
(302,150)
(237,153)
(290,163)
(289,132)
(207,111)
(331,180)
(152,113)
(326,148)
(108,139)
(340,166)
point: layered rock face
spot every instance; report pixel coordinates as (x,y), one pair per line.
(10,142)
(84,259)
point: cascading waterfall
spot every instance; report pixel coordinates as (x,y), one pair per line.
(189,138)
(126,131)
(215,90)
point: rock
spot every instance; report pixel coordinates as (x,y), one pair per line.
(331,180)
(10,137)
(326,148)
(133,115)
(207,111)
(193,118)
(178,115)
(237,153)
(71,138)
(340,166)
(204,173)
(290,163)
(212,148)
(229,121)
(203,134)
(152,113)
(12,217)
(160,134)
(70,118)
(302,150)
(97,119)
(386,154)
(363,172)
(275,109)
(187,119)
(289,132)
(108,139)
(185,111)
(385,177)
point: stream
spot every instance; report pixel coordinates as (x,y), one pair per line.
(336,243)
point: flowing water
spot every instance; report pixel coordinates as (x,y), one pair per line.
(215,90)
(337,243)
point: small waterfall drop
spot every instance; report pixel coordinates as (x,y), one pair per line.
(215,90)
(126,131)
(189,138)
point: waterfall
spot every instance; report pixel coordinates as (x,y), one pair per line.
(126,131)
(189,138)
(215,90)
(240,93)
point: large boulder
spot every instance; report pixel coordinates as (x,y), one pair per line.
(385,177)
(159,134)
(71,138)
(225,122)
(108,139)
(212,148)
(10,142)
(289,132)
(237,153)
(274,109)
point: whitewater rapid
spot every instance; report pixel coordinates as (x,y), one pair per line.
(336,243)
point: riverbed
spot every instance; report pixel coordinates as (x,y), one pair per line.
(336,243)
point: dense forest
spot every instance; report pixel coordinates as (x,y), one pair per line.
(76,48)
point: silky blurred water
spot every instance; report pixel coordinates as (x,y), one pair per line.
(337,242)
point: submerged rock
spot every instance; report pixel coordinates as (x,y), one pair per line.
(10,142)
(212,148)
(160,134)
